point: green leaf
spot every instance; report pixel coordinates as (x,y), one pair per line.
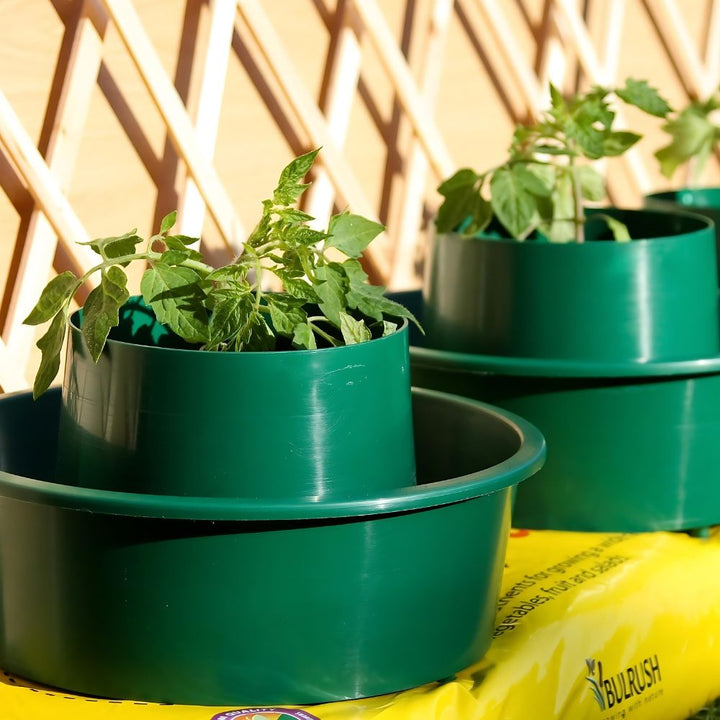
(592,184)
(616,143)
(692,135)
(301,235)
(562,227)
(370,299)
(351,234)
(110,248)
(174,240)
(50,345)
(289,187)
(389,328)
(168,221)
(353,331)
(174,257)
(331,292)
(258,338)
(590,139)
(57,293)
(535,178)
(173,243)
(514,206)
(303,337)
(101,311)
(618,229)
(462,201)
(286,313)
(172,291)
(645,97)
(230,309)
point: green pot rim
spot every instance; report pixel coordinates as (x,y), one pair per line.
(525,462)
(547,367)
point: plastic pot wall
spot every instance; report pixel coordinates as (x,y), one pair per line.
(624,454)
(295,424)
(703,201)
(182,600)
(652,299)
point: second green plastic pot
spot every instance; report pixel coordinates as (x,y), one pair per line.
(225,601)
(632,447)
(153,416)
(649,300)
(703,201)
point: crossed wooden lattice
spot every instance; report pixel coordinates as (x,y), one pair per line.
(571,47)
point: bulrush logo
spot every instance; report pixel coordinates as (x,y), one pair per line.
(622,686)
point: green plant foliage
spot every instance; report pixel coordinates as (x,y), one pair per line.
(326,300)
(693,136)
(546,180)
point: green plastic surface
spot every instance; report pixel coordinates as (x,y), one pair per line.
(650,300)
(626,452)
(703,201)
(246,612)
(330,424)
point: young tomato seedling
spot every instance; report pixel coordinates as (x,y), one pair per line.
(326,300)
(544,184)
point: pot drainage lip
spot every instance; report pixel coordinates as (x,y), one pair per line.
(423,357)
(522,464)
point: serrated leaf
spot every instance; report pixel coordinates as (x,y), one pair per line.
(692,134)
(230,311)
(301,235)
(174,257)
(114,247)
(592,184)
(258,337)
(172,292)
(590,139)
(57,293)
(616,143)
(643,96)
(169,240)
(101,311)
(513,205)
(286,313)
(353,331)
(331,292)
(303,337)
(299,288)
(289,187)
(534,178)
(168,221)
(351,234)
(173,243)
(389,328)
(293,215)
(50,345)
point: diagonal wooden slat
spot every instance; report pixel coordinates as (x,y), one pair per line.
(176,119)
(75,79)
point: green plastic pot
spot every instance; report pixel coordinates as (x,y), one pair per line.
(703,201)
(156,416)
(650,300)
(631,446)
(221,601)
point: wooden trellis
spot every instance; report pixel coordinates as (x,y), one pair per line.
(572,43)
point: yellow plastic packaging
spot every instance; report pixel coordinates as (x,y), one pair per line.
(589,626)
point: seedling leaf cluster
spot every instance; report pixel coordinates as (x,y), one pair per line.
(326,298)
(547,179)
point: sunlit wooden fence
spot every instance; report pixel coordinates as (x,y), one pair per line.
(403,93)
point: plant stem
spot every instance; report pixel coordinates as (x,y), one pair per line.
(579,215)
